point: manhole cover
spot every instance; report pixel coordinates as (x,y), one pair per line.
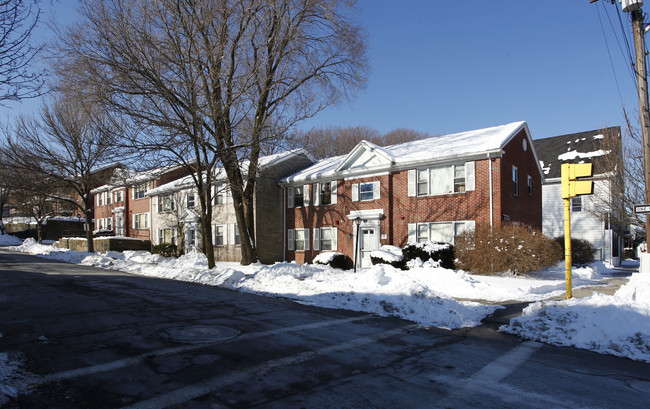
(199,334)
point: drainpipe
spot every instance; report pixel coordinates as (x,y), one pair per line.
(491,191)
(284,223)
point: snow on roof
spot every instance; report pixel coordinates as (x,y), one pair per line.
(437,148)
(220,174)
(571,155)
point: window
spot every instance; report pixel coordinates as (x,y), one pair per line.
(298,196)
(443,232)
(459,179)
(423,182)
(236,237)
(141,221)
(220,194)
(109,197)
(366,191)
(100,199)
(515,181)
(166,204)
(576,204)
(109,222)
(325,238)
(530,185)
(191,238)
(191,201)
(219,235)
(441,180)
(118,196)
(298,239)
(166,236)
(325,193)
(139,191)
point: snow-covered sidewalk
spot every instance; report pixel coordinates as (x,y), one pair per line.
(614,324)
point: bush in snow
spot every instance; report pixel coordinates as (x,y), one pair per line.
(165,250)
(582,251)
(443,253)
(334,260)
(389,255)
(511,248)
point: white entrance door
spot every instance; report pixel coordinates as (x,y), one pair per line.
(369,242)
(119,225)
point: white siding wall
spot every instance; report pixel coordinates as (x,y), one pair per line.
(583,224)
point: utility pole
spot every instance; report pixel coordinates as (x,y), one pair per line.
(634,7)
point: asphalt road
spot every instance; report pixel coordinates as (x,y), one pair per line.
(93,338)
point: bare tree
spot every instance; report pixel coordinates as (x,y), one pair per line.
(213,81)
(332,141)
(18,79)
(68,146)
(335,141)
(401,135)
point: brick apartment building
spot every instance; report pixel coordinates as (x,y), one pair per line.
(122,206)
(426,190)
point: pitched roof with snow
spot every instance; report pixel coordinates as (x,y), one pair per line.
(220,174)
(578,147)
(367,156)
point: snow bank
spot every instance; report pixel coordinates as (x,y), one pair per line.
(617,325)
(9,240)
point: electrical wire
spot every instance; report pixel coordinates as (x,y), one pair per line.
(625,49)
(609,54)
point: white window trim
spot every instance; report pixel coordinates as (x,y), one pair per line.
(470,179)
(146,219)
(413,228)
(317,238)
(225,235)
(291,237)
(317,193)
(161,236)
(356,191)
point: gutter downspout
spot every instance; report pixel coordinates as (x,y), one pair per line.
(491,192)
(284,223)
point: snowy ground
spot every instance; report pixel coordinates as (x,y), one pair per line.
(617,325)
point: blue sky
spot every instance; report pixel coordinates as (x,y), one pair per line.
(443,66)
(450,66)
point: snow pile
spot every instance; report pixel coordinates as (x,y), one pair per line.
(428,295)
(617,325)
(9,240)
(382,290)
(14,380)
(388,254)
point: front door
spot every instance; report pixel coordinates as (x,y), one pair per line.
(369,242)
(119,225)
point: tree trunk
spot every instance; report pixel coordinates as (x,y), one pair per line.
(89,230)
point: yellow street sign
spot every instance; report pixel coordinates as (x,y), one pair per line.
(573,182)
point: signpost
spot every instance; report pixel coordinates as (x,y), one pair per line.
(574,183)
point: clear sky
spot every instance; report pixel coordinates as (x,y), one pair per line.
(450,66)
(444,66)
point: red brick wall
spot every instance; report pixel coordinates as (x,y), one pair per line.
(523,208)
(399,209)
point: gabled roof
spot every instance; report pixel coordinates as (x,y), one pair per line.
(264,162)
(368,157)
(578,147)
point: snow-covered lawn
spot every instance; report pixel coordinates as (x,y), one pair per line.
(428,295)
